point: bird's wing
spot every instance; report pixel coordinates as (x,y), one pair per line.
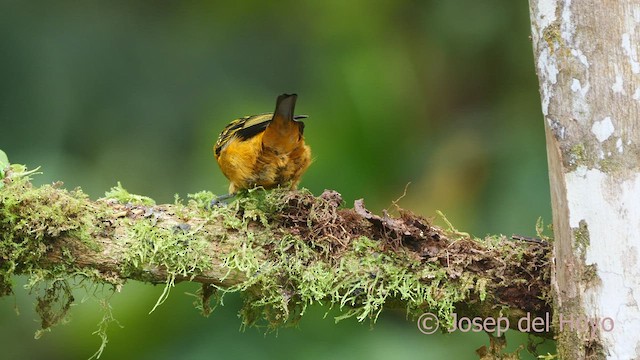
(245,128)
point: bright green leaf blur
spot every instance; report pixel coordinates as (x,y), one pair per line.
(439,94)
(4,162)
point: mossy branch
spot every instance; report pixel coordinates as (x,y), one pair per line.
(284,250)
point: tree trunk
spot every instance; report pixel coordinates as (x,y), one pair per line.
(586,55)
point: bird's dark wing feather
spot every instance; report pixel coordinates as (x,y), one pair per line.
(247,127)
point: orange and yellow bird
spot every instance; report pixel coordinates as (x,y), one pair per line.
(265,150)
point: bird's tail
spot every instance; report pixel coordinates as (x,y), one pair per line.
(283,133)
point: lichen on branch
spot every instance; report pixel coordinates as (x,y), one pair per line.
(283,250)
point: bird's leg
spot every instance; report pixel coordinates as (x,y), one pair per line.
(220,200)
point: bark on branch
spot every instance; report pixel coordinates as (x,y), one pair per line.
(283,250)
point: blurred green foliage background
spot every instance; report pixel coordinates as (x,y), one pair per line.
(441,94)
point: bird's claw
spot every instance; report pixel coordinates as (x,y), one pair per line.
(220,200)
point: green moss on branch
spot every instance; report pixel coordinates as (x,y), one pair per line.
(283,250)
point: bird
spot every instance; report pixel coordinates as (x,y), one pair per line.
(266,150)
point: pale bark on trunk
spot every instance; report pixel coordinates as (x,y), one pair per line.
(588,64)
